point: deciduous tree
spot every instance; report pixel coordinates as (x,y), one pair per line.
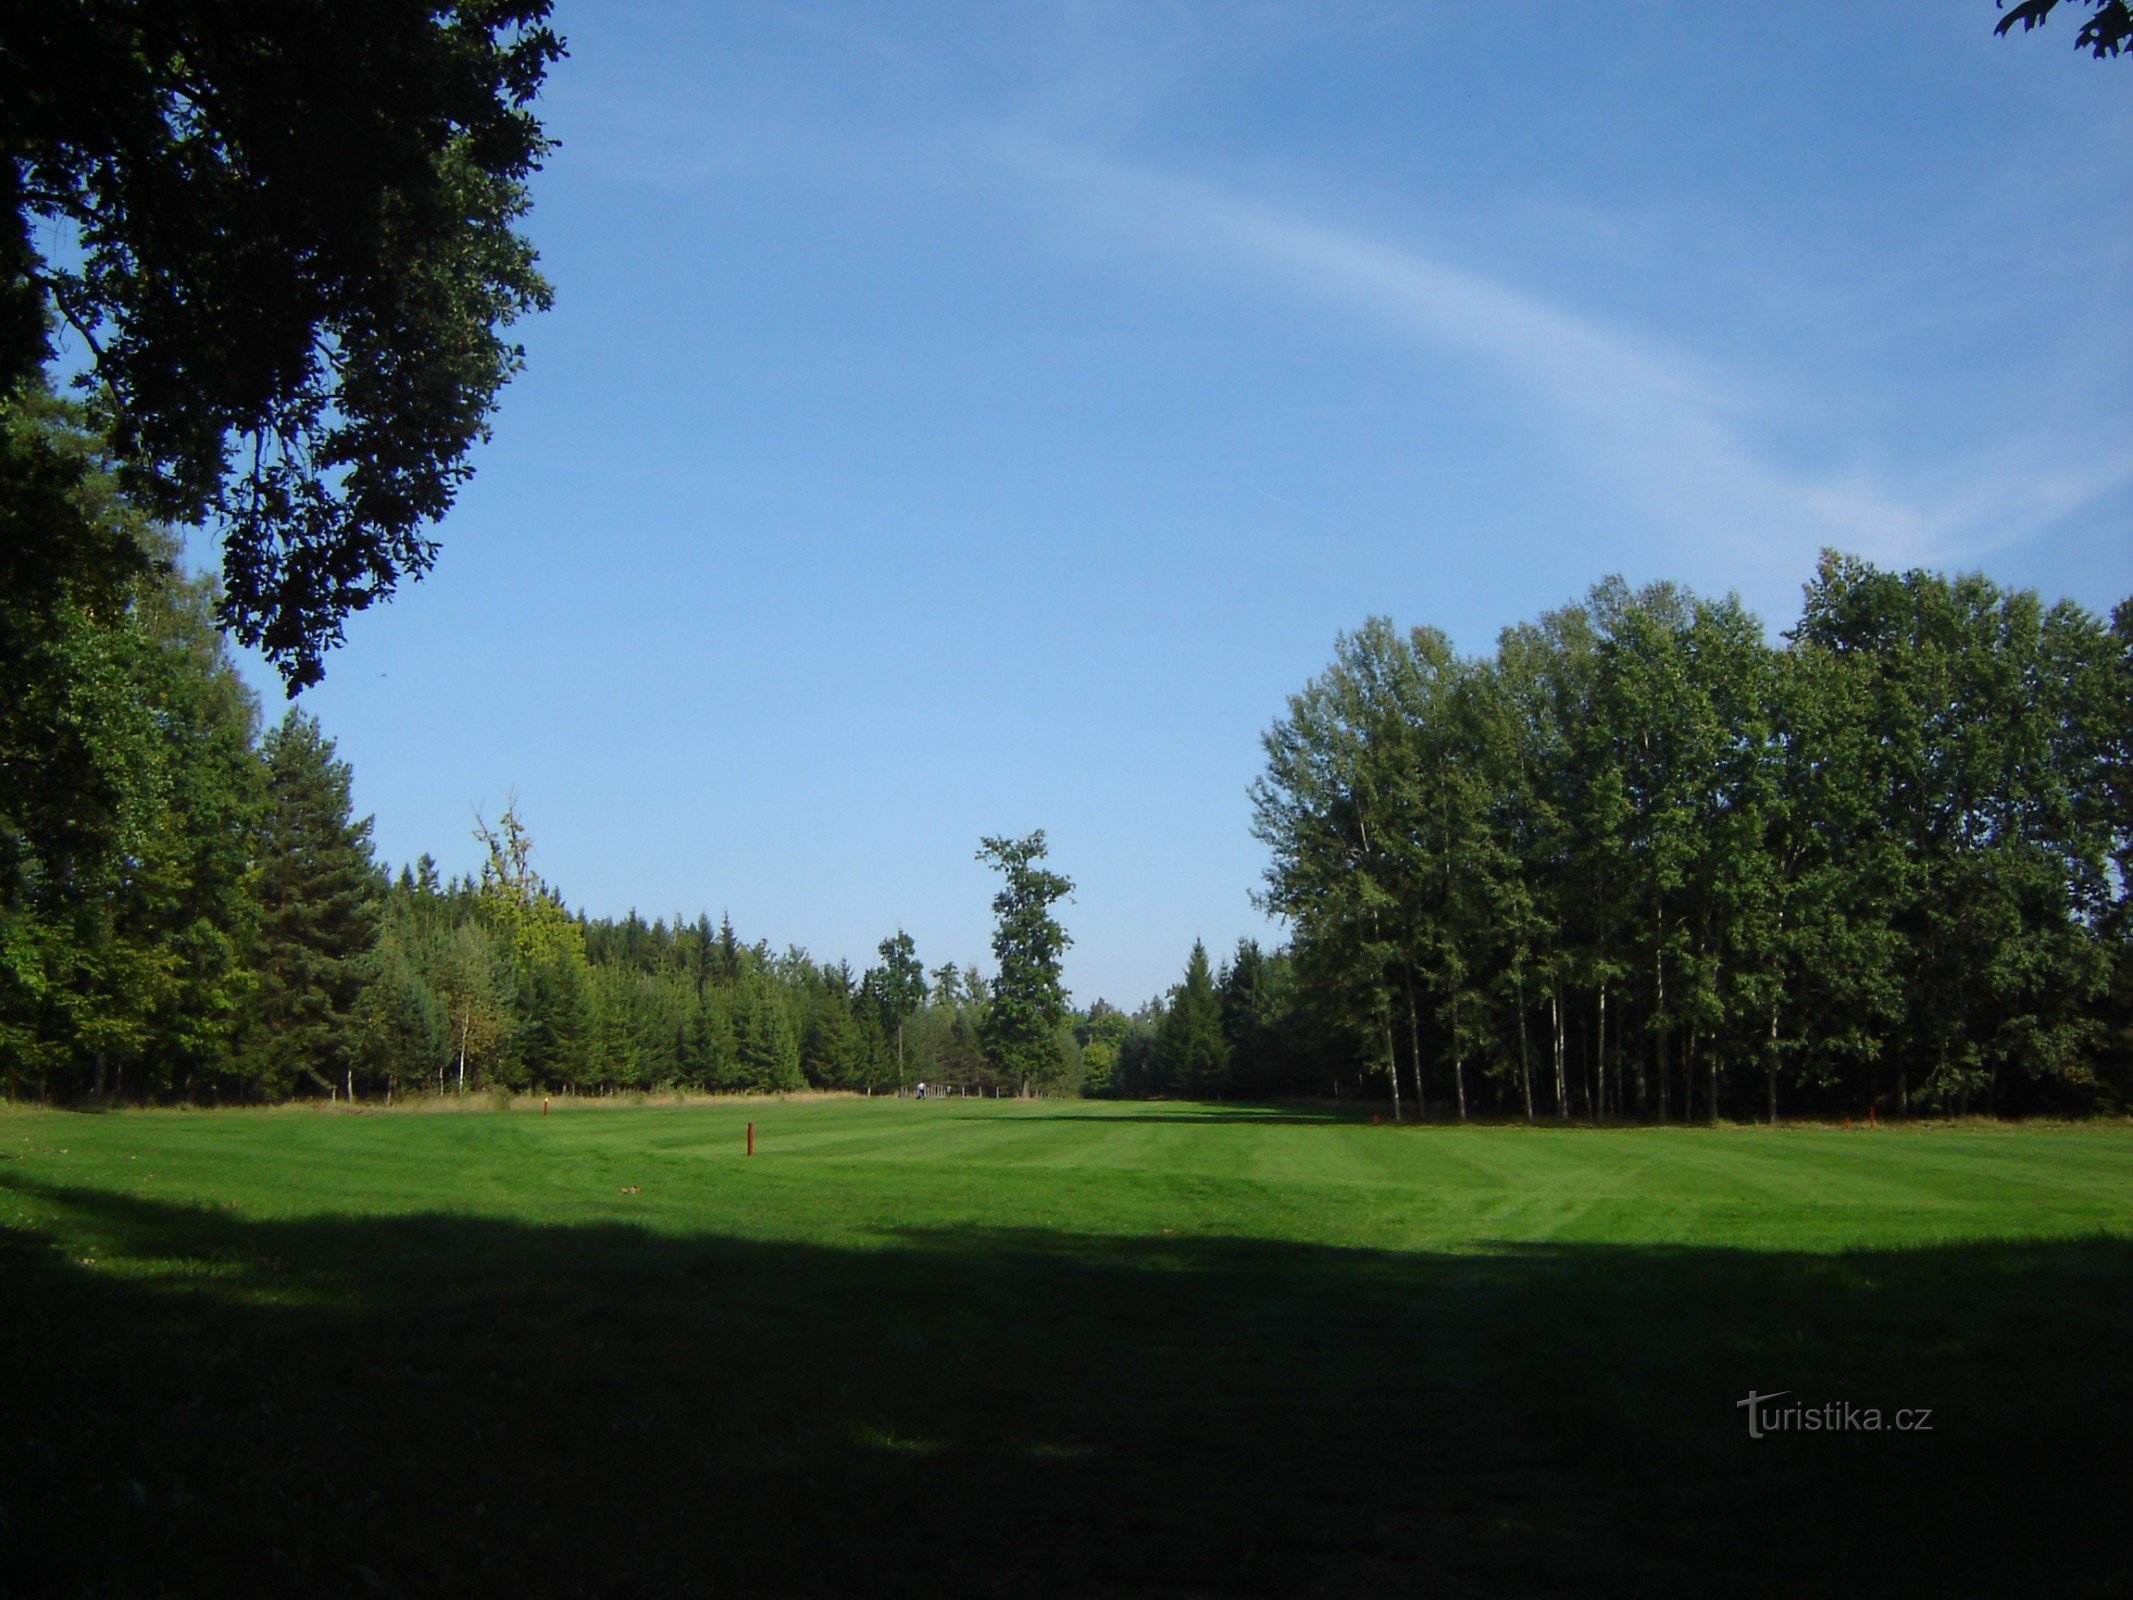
(1027,1001)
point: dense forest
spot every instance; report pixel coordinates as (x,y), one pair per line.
(1643,862)
(1639,862)
(191,911)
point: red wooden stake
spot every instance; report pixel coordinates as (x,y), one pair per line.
(751,1138)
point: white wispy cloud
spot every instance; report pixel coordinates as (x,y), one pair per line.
(1675,434)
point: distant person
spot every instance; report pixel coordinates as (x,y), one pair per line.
(922,1091)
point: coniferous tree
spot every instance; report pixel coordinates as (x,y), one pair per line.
(1191,1054)
(319,893)
(832,1047)
(766,1044)
(401,1031)
(182,912)
(708,1058)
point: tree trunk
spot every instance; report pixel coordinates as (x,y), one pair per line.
(1666,1088)
(1525,1055)
(1392,1064)
(1585,1061)
(1458,1060)
(1599,1110)
(1414,1051)
(1770,1065)
(1562,1074)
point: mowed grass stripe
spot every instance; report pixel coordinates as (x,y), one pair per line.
(1261,1172)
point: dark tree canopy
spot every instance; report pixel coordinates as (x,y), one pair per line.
(2106,33)
(1643,861)
(284,232)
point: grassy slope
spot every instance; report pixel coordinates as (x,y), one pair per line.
(989,1347)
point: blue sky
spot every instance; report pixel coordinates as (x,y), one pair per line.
(965,420)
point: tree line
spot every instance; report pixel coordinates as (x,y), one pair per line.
(1642,861)
(190,909)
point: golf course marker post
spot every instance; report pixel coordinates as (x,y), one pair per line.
(751,1138)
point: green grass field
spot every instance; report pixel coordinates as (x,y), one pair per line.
(1053,1348)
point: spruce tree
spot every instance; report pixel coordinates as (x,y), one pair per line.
(767,1047)
(1191,1055)
(320,893)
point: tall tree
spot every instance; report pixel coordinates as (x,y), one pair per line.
(767,1046)
(1027,1003)
(472,977)
(550,977)
(128,787)
(1327,807)
(1191,1054)
(401,1028)
(320,893)
(192,895)
(897,989)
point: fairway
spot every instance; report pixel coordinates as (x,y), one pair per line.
(1045,1347)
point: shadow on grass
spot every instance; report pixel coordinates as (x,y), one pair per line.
(197,1403)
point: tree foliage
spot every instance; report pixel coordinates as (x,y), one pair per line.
(2106,31)
(1639,861)
(128,788)
(319,894)
(1191,1055)
(289,250)
(1028,1002)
